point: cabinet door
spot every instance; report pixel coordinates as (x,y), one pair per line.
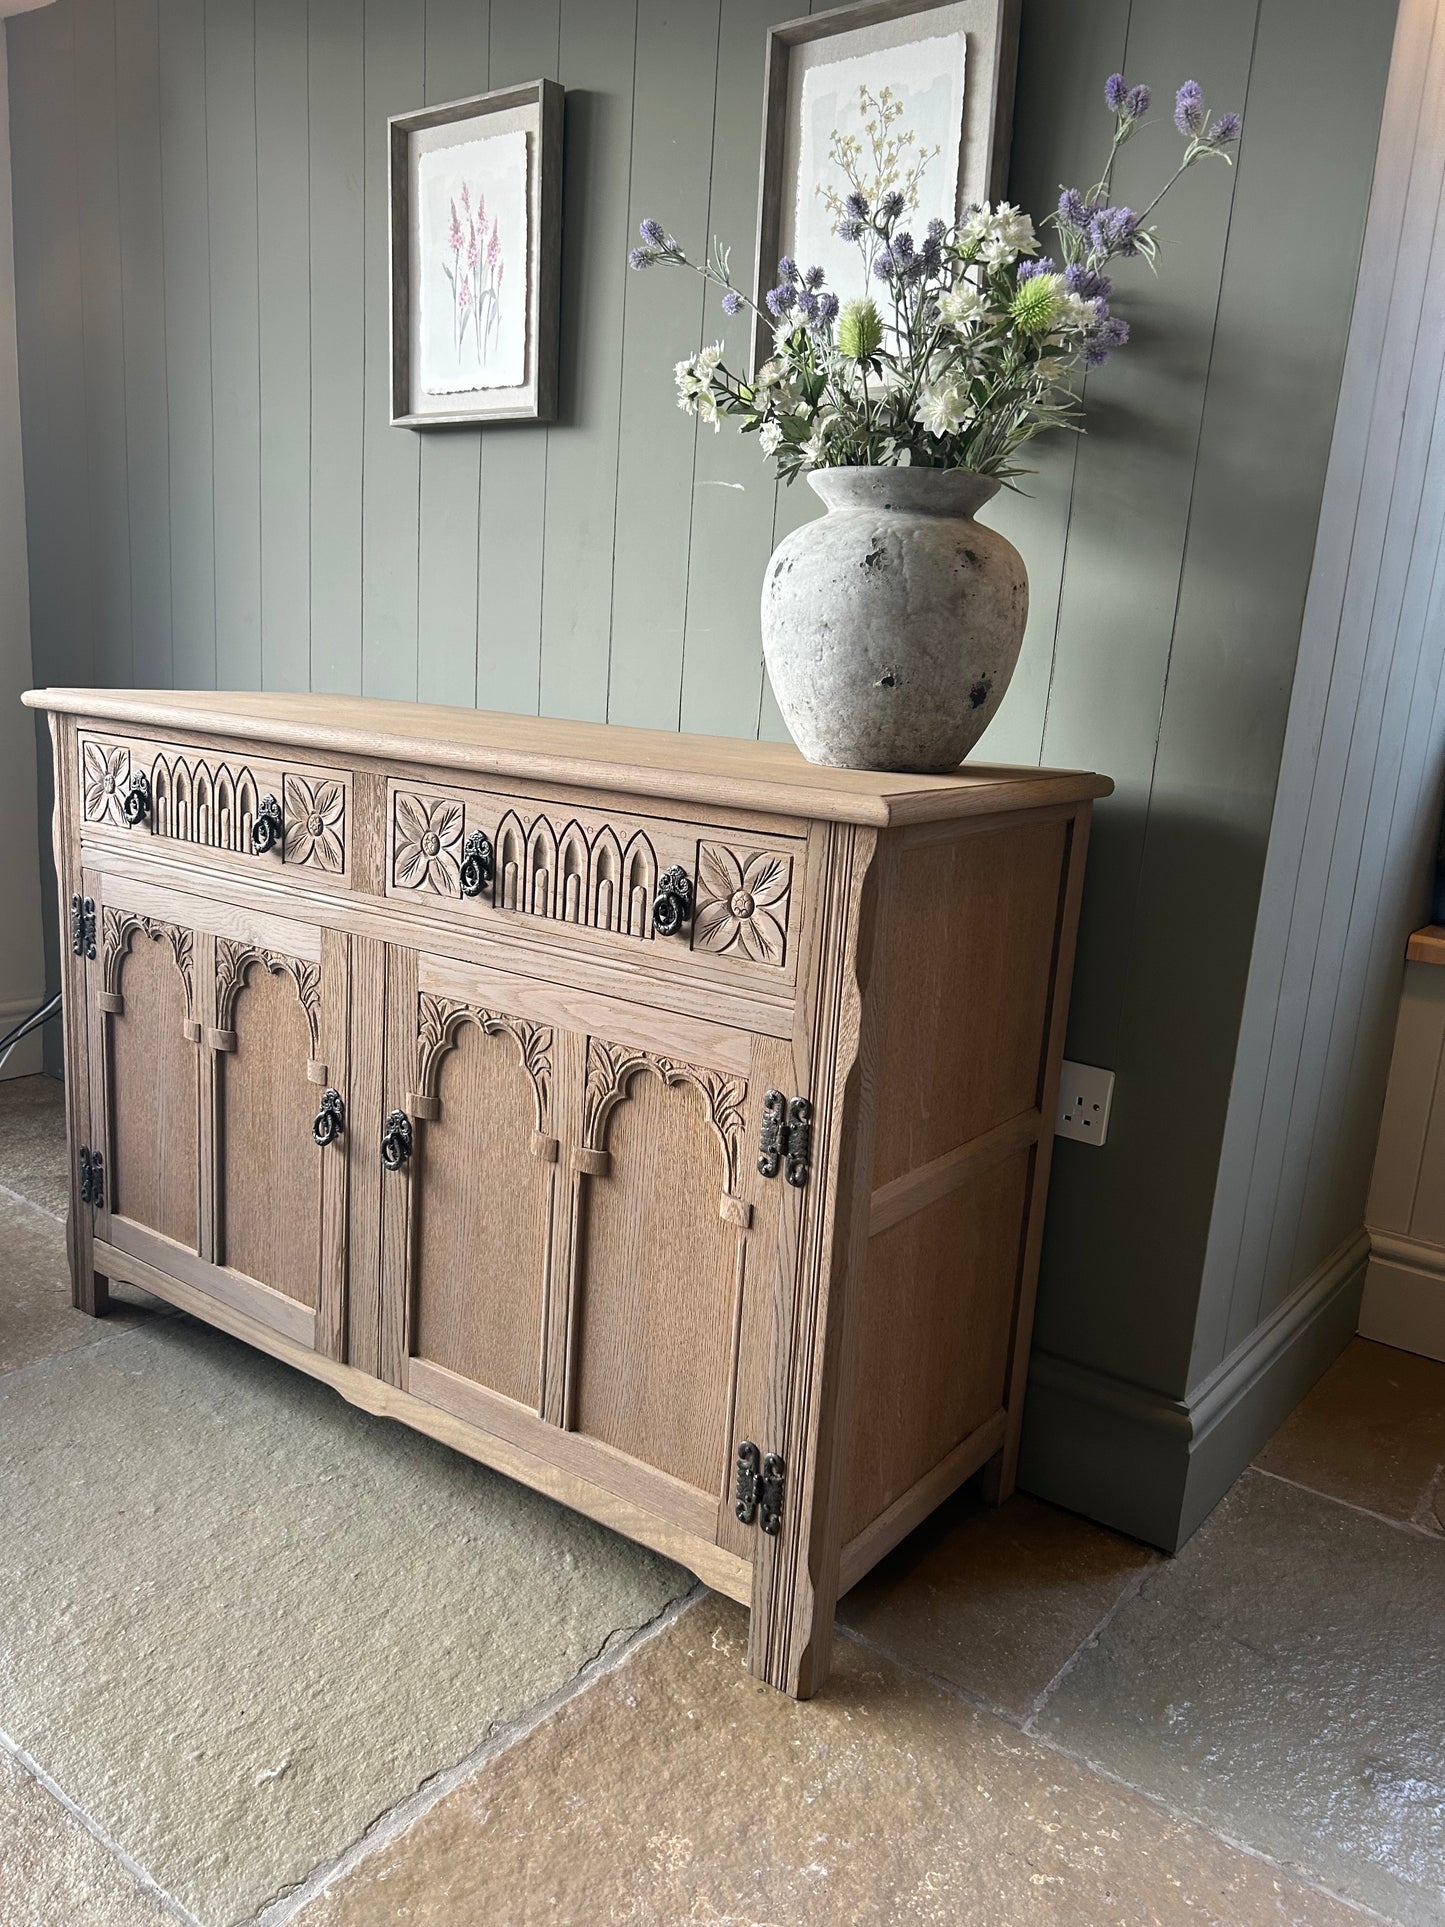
(674,1269)
(213,1039)
(278,1037)
(146,1076)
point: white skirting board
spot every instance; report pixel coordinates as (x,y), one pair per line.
(26,1058)
(1404,1301)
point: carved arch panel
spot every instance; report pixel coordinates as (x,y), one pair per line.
(483,1183)
(151,1073)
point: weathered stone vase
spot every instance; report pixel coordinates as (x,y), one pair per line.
(892,624)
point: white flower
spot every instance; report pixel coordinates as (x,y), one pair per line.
(770,437)
(1075,314)
(1013,229)
(705,408)
(769,375)
(942,411)
(963,305)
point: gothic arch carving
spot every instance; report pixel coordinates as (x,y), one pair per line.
(439,1021)
(233,962)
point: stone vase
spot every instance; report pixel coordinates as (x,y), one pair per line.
(892,624)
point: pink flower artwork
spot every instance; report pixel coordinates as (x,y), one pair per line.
(473,215)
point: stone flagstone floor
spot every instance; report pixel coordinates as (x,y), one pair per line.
(264,1659)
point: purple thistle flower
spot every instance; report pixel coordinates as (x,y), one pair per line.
(1224,130)
(1073,208)
(884,267)
(653,233)
(931,254)
(902,246)
(732,301)
(780,300)
(1028,269)
(937,229)
(1189,109)
(788,269)
(1115,93)
(891,206)
(642,257)
(1115,230)
(849,229)
(1136,102)
(1095,354)
(827,311)
(857,205)
(808,305)
(814,278)
(1115,331)
(1087,283)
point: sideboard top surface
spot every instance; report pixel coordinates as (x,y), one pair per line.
(644,762)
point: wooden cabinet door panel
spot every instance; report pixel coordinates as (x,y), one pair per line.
(483,1180)
(675,1266)
(149,1084)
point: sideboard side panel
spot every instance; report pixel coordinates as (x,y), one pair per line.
(89,1291)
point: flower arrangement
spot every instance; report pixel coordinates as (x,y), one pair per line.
(975,343)
(475,273)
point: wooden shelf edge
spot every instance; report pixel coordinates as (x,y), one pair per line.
(1427,945)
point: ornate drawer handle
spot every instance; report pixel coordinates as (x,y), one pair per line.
(268,827)
(479,865)
(136,803)
(396,1140)
(672,906)
(330,1119)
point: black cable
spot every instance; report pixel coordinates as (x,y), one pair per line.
(33,1022)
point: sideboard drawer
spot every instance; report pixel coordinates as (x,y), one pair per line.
(598,874)
(215,801)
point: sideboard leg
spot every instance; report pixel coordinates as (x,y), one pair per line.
(799,1655)
(93,1296)
(998,1476)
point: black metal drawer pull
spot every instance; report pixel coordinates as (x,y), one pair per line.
(268,828)
(136,803)
(396,1140)
(330,1119)
(479,865)
(672,906)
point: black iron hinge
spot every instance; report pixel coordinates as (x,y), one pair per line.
(82,926)
(92,1177)
(759,1490)
(786,1138)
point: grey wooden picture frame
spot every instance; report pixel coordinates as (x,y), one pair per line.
(992,28)
(539,105)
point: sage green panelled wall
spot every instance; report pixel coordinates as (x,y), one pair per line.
(216,496)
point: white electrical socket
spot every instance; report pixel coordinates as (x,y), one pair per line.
(1085,1097)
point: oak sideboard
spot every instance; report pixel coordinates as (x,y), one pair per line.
(660,1120)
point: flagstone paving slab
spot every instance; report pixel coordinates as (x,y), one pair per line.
(55,1873)
(995,1599)
(32,1142)
(1372,1433)
(1282,1679)
(37,1318)
(243,1619)
(680,1790)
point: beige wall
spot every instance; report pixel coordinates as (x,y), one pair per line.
(22,970)
(1404,1300)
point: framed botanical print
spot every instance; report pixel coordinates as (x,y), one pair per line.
(906,96)
(476,258)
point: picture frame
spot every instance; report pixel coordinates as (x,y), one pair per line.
(823,58)
(476,258)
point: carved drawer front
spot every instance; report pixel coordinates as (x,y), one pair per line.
(724,897)
(248,806)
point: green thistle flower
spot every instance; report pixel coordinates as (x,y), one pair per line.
(1036,303)
(860,330)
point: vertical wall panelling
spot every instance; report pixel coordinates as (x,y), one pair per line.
(664,314)
(186,251)
(50,329)
(451,458)
(390,456)
(338,131)
(235,337)
(598,47)
(732,486)
(1338,677)
(107,559)
(283,227)
(148,487)
(511,548)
